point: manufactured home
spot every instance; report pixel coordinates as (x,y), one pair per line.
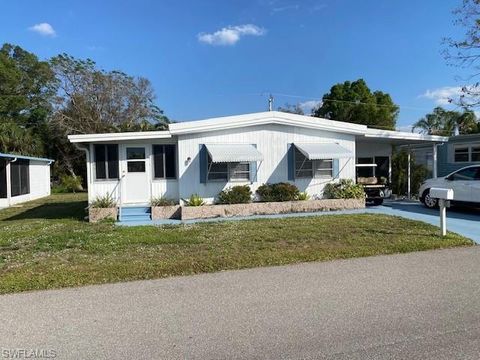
(205,156)
(23,178)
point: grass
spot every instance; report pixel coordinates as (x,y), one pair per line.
(46,244)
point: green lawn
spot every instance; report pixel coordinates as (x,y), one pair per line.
(46,244)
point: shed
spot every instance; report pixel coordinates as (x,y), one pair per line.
(23,178)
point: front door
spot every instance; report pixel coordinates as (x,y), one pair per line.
(136,184)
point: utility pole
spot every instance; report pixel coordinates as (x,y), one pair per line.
(270,103)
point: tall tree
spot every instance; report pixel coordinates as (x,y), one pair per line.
(27,86)
(91,100)
(354,102)
(465,52)
(443,122)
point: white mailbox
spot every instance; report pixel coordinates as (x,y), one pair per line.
(441,193)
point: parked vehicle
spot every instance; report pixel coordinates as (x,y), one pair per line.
(376,189)
(464,182)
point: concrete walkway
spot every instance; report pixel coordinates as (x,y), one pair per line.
(423,305)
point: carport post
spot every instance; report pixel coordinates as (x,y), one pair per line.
(409,174)
(434,155)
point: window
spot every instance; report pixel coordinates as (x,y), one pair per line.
(235,171)
(106,161)
(239,171)
(135,159)
(305,168)
(476,153)
(324,168)
(383,166)
(20,177)
(3,178)
(165,161)
(465,174)
(462,154)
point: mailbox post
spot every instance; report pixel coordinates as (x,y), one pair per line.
(443,195)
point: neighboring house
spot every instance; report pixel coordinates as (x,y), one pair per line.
(203,157)
(23,178)
(458,152)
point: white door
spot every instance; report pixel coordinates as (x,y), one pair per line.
(462,184)
(476,187)
(136,181)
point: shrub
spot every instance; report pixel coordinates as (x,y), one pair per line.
(194,200)
(344,189)
(303,196)
(240,194)
(162,201)
(278,192)
(68,183)
(106,201)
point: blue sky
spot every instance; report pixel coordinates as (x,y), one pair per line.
(212,58)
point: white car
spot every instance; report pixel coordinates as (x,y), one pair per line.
(465,184)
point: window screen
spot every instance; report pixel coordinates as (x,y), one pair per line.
(3,178)
(20,177)
(165,161)
(106,161)
(303,166)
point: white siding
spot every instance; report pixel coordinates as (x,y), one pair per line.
(272,141)
(158,187)
(39,176)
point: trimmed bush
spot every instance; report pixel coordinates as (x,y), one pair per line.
(162,201)
(344,189)
(195,200)
(278,192)
(106,201)
(240,194)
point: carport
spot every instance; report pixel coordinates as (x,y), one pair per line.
(376,147)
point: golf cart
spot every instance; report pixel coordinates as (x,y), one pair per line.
(375,187)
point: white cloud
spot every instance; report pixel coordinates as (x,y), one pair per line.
(284,8)
(230,35)
(44,29)
(308,106)
(443,95)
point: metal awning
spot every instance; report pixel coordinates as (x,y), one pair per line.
(324,151)
(233,153)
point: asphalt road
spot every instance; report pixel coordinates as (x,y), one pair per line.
(422,305)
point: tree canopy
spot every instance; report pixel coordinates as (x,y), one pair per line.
(41,102)
(443,122)
(354,102)
(465,52)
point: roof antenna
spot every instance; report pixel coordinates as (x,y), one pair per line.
(270,103)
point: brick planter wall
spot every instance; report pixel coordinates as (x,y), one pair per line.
(98,214)
(166,212)
(269,208)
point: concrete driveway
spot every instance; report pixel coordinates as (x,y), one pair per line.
(463,221)
(422,305)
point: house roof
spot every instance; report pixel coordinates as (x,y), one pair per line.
(15,156)
(254,119)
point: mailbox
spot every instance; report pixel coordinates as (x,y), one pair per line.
(441,193)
